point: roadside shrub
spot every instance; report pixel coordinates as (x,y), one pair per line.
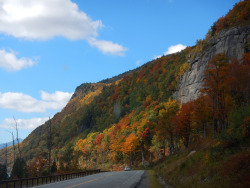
(182,165)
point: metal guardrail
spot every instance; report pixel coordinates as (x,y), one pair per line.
(30,182)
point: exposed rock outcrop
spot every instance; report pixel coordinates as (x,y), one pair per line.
(233,42)
(83,89)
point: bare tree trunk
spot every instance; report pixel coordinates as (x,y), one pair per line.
(18,145)
(171,144)
(132,159)
(157,149)
(14,150)
(131,163)
(6,155)
(142,156)
(177,142)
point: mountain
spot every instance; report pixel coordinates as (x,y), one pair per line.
(196,99)
(3,145)
(234,42)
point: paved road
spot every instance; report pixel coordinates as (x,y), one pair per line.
(123,179)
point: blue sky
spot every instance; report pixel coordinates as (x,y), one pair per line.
(49,47)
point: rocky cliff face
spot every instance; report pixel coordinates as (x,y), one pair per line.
(233,42)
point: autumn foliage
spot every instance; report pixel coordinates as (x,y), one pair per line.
(239,15)
(135,120)
(160,129)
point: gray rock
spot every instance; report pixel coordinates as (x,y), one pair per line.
(232,42)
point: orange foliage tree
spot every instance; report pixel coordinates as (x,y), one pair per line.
(165,127)
(215,86)
(238,79)
(183,122)
(130,145)
(202,113)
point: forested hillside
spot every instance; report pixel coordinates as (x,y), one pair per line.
(134,120)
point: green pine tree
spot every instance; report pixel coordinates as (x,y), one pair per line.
(3,172)
(19,169)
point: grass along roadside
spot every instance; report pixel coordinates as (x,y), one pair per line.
(203,170)
(153,179)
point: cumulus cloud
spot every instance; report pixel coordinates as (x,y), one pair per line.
(171,50)
(61,98)
(157,56)
(10,62)
(107,47)
(174,49)
(45,19)
(25,103)
(23,123)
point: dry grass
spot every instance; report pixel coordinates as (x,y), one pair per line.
(153,179)
(231,170)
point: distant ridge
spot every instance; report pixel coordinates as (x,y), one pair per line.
(122,75)
(118,77)
(3,145)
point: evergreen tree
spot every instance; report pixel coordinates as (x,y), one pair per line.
(3,172)
(54,167)
(19,169)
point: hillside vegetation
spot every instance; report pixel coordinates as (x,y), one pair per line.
(132,119)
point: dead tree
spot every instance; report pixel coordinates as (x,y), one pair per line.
(18,145)
(6,154)
(13,145)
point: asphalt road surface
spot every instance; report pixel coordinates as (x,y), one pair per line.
(123,179)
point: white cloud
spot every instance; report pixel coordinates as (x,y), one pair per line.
(61,98)
(25,103)
(174,49)
(10,62)
(45,19)
(157,56)
(24,123)
(171,50)
(107,47)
